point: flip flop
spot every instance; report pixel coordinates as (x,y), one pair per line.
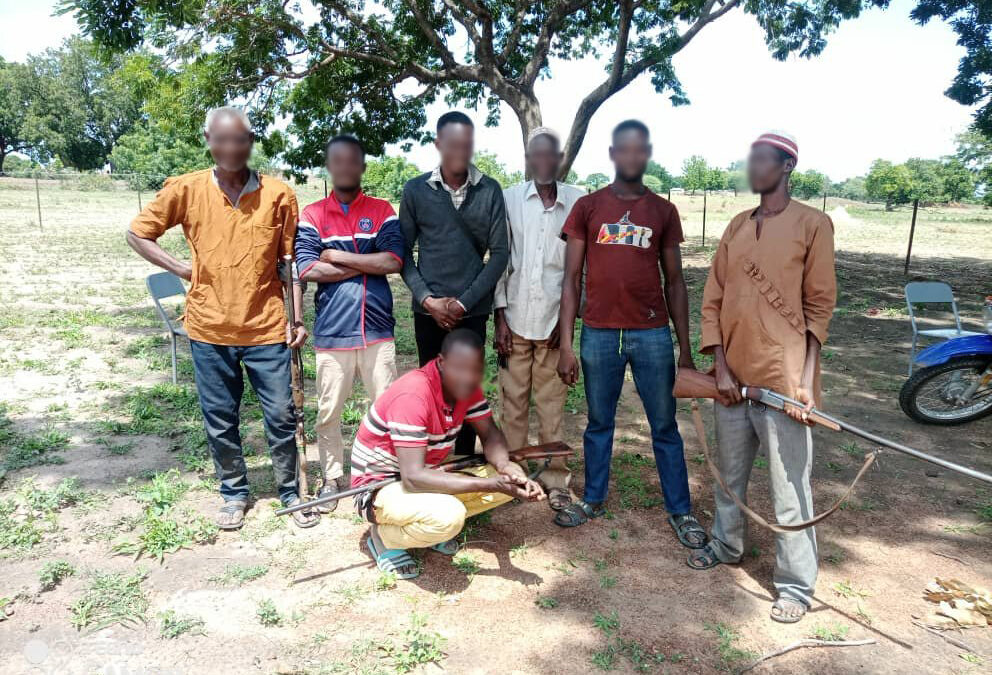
(578,513)
(392,560)
(781,616)
(231,516)
(686,524)
(329,488)
(306,518)
(449,547)
(703,558)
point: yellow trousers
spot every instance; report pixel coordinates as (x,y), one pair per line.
(423,519)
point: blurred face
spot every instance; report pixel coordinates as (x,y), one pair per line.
(230,142)
(544,159)
(346,165)
(630,153)
(462,370)
(766,169)
(455,143)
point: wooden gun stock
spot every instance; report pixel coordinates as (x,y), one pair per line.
(694,384)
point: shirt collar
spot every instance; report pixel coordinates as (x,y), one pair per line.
(531,191)
(433,372)
(254,183)
(337,203)
(474,176)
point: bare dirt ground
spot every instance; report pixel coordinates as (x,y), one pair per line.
(85,382)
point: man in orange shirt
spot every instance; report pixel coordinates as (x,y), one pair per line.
(238,225)
(766,308)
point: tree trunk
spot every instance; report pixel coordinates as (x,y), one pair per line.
(528,111)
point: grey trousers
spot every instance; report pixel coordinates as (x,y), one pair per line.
(741,430)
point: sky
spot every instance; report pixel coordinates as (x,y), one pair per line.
(875,92)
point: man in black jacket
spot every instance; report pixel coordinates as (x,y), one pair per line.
(454,216)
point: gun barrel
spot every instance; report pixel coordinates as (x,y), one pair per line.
(778,401)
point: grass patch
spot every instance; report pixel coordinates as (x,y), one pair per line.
(53,573)
(172,625)
(846,590)
(631,484)
(162,492)
(465,562)
(164,527)
(25,450)
(267,614)
(386,581)
(419,646)
(111,598)
(834,632)
(162,534)
(726,637)
(236,574)
(546,602)
(606,658)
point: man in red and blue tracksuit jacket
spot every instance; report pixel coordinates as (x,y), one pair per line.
(348,243)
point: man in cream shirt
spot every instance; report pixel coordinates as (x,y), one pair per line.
(527,300)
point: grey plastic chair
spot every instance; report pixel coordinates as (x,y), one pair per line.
(932,293)
(168,285)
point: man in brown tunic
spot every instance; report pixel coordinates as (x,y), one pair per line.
(766,307)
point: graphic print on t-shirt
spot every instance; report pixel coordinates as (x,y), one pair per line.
(625,232)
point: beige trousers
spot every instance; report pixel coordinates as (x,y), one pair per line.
(422,519)
(335,375)
(532,366)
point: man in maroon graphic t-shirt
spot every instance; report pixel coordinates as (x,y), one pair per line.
(627,237)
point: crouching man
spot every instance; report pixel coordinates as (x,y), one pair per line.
(411,429)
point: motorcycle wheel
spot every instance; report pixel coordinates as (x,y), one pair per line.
(924,396)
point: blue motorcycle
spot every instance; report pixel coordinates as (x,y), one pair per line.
(954,382)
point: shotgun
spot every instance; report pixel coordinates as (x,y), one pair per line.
(545,452)
(296,365)
(693,384)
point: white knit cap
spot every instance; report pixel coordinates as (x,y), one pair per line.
(543,131)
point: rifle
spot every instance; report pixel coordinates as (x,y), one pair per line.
(296,364)
(693,384)
(545,451)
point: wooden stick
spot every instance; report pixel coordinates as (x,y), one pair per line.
(960,644)
(805,643)
(944,555)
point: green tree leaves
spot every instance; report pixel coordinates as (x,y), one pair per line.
(386,177)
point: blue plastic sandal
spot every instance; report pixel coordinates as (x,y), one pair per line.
(449,547)
(392,560)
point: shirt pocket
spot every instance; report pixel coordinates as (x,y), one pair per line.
(265,240)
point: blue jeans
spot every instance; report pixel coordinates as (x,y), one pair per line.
(220,384)
(605,354)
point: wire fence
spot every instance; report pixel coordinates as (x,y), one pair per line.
(49,186)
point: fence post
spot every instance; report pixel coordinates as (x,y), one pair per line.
(912,231)
(669,194)
(138,183)
(704,217)
(37,195)
(824,201)
(325,188)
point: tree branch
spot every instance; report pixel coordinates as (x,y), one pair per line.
(447,58)
(513,39)
(622,75)
(806,643)
(548,30)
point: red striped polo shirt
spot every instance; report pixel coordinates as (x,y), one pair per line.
(413,413)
